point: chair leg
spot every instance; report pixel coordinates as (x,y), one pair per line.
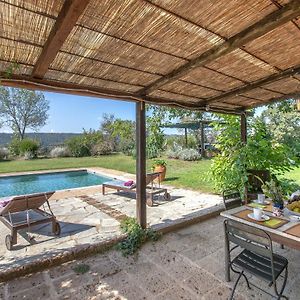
(235,285)
(279,295)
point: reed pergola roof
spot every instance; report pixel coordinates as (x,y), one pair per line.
(223,55)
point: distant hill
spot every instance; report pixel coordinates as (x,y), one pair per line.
(46,139)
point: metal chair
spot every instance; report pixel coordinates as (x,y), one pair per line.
(232,198)
(257,258)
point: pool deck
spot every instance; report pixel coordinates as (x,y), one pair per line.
(90,223)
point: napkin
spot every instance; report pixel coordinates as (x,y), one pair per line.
(272,222)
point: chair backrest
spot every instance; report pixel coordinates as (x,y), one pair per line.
(25,202)
(232,198)
(250,238)
(150,177)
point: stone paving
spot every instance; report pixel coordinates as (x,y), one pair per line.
(88,218)
(187,264)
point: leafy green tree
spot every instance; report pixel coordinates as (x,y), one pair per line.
(283,122)
(262,152)
(23,109)
(120,132)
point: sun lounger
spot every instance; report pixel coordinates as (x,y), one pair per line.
(151,190)
(20,212)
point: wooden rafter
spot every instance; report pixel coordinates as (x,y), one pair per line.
(260,28)
(66,20)
(256,84)
(295,95)
(28,82)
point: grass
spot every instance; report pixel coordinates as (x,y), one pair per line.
(179,173)
(185,174)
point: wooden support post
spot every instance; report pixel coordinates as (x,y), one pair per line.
(141,164)
(186,137)
(202,139)
(244,141)
(243,128)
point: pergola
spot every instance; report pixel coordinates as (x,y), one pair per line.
(221,56)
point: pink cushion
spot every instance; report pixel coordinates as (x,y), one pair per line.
(129,183)
(4,202)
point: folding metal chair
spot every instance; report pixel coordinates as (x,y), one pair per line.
(257,258)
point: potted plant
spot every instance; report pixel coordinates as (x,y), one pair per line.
(273,191)
(159,165)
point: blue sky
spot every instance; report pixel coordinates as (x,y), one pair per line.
(70,113)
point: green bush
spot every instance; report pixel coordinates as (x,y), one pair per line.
(29,148)
(136,236)
(126,147)
(77,146)
(102,148)
(14,147)
(26,147)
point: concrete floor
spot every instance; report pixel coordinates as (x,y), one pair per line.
(187,264)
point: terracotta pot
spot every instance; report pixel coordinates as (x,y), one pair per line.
(162,170)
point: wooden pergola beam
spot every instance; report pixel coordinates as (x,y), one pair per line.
(66,20)
(260,28)
(27,82)
(256,84)
(295,96)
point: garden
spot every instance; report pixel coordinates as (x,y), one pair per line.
(273,144)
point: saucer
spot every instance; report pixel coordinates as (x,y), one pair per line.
(263,217)
(262,203)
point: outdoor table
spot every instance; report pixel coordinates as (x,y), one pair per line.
(286,233)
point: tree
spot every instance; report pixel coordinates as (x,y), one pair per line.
(262,152)
(23,109)
(283,123)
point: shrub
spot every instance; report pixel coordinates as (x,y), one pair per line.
(136,236)
(14,147)
(174,151)
(77,146)
(127,147)
(3,153)
(28,155)
(103,148)
(60,152)
(189,154)
(28,148)
(172,154)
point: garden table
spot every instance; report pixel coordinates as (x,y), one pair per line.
(281,230)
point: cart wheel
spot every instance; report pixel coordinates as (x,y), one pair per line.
(57,229)
(8,242)
(167,197)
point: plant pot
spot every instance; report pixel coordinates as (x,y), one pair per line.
(162,170)
(277,209)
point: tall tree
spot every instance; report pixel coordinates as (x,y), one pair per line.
(23,109)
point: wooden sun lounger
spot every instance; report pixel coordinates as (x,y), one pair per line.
(150,192)
(16,215)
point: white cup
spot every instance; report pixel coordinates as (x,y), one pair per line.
(261,198)
(257,213)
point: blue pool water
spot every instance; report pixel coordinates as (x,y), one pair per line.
(37,183)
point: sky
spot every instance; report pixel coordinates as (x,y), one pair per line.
(70,113)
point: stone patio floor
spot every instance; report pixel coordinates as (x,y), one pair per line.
(187,264)
(88,218)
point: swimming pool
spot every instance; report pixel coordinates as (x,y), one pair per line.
(46,182)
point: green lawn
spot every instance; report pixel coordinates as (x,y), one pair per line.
(191,175)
